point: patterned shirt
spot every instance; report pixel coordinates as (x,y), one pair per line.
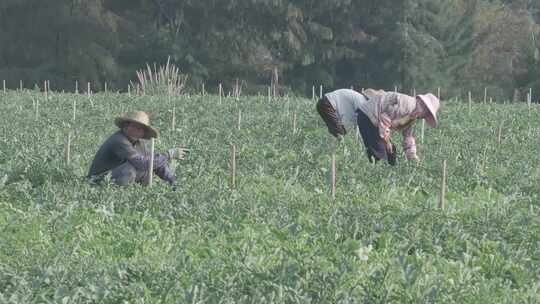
(392,111)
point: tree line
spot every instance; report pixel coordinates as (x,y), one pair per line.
(457,45)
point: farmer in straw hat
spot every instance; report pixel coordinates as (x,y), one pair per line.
(376,112)
(126,155)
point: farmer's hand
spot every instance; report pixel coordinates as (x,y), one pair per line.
(177,153)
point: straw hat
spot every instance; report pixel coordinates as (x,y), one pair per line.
(432,103)
(140,118)
(370,93)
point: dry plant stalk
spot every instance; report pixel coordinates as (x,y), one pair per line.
(163,80)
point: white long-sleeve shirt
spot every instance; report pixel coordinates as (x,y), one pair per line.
(346,102)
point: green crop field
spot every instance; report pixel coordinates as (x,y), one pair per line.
(278,236)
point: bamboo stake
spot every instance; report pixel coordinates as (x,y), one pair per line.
(151,164)
(294,123)
(173,120)
(220,89)
(4,85)
(422,132)
(89,92)
(129,90)
(76,87)
(414,91)
(320,91)
(470,102)
(499,138)
(239,118)
(529,101)
(485,95)
(395,89)
(312,92)
(105,87)
(203,91)
(74,109)
(334,176)
(37,108)
(233,166)
(45,89)
(67,149)
(269,94)
(439,93)
(443,186)
(530,95)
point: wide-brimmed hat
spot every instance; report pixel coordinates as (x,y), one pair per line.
(432,104)
(140,118)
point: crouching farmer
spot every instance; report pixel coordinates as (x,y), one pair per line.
(126,156)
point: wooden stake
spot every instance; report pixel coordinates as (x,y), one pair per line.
(443,186)
(312,92)
(4,85)
(20,85)
(395,89)
(334,176)
(439,93)
(76,87)
(233,166)
(530,95)
(414,91)
(269,94)
(129,90)
(203,91)
(45,89)
(151,164)
(320,91)
(485,95)
(105,87)
(89,92)
(499,138)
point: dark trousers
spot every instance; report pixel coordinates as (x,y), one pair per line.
(375,145)
(328,114)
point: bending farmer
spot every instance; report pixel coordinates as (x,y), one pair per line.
(127,156)
(375,116)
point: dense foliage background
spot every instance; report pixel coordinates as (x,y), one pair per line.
(465,44)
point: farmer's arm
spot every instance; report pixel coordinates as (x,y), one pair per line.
(409,143)
(125,150)
(161,168)
(384,126)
